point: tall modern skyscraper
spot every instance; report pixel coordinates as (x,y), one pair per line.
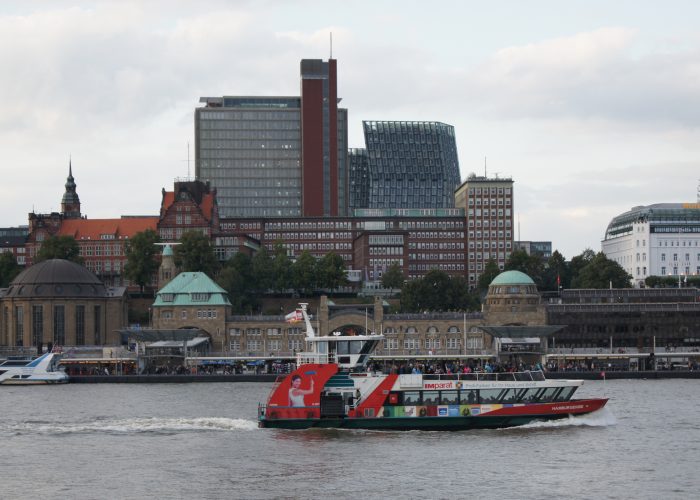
(276,156)
(411,164)
(358,165)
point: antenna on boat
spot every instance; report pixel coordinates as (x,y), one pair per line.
(331,57)
(309,327)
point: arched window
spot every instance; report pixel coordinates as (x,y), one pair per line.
(433,329)
(453,329)
(411,329)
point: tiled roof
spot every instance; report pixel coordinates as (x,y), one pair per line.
(185,285)
(206,206)
(93,229)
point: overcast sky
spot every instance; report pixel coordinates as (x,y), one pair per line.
(592,107)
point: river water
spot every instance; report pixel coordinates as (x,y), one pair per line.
(202,441)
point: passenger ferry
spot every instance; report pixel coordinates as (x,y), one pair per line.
(42,370)
(331,388)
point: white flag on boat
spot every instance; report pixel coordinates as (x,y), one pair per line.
(294,316)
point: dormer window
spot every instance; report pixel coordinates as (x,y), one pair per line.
(168,297)
(200,297)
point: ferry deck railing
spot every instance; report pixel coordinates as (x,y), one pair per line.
(526,376)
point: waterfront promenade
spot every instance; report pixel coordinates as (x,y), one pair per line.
(271,377)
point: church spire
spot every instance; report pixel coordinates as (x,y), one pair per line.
(70,204)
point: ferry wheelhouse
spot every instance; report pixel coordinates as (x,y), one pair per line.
(332,388)
(42,370)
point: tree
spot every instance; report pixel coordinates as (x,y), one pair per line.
(556,273)
(142,257)
(281,268)
(262,271)
(196,254)
(579,262)
(491,270)
(331,271)
(236,278)
(9,268)
(531,265)
(436,291)
(601,272)
(304,274)
(59,247)
(393,277)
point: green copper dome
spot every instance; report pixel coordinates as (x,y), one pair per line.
(167,251)
(512,278)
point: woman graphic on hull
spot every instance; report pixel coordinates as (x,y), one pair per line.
(296,393)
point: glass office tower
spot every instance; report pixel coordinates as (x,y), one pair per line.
(411,164)
(277,156)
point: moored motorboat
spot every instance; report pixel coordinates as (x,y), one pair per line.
(332,388)
(42,370)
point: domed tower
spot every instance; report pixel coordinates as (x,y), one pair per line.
(513,299)
(70,203)
(167,270)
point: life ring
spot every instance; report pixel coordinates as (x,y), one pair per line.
(466,412)
(423,412)
(458,385)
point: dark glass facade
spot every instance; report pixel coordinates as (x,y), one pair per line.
(411,164)
(359,178)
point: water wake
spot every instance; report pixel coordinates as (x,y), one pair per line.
(152,425)
(601,418)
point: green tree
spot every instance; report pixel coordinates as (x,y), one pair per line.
(142,257)
(577,263)
(436,291)
(262,271)
(393,277)
(331,271)
(556,273)
(236,278)
(601,272)
(304,274)
(196,254)
(491,270)
(59,247)
(531,265)
(9,268)
(281,268)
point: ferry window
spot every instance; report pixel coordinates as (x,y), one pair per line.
(342,348)
(565,394)
(509,396)
(449,398)
(431,397)
(489,395)
(530,396)
(411,398)
(355,346)
(470,397)
(548,394)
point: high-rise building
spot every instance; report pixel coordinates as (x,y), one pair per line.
(276,156)
(488,203)
(411,164)
(358,192)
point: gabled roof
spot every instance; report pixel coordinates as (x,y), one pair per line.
(93,229)
(182,288)
(206,205)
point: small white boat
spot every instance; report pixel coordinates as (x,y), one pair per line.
(42,370)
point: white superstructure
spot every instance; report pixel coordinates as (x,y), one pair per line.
(656,240)
(42,370)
